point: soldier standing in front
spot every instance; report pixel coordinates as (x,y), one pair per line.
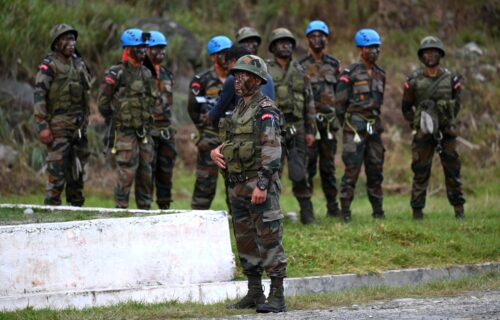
(251,156)
(360,95)
(125,98)
(294,98)
(61,113)
(431,102)
(204,90)
(323,71)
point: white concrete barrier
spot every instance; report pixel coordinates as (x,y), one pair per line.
(112,255)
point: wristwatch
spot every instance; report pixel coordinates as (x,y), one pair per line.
(262,184)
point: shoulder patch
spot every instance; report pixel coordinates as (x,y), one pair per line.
(344,78)
(407,85)
(196,87)
(43,67)
(109,80)
(266,116)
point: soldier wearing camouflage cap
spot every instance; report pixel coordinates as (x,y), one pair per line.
(61,113)
(251,156)
(294,98)
(431,102)
(250,38)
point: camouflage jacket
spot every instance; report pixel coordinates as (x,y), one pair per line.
(203,92)
(293,94)
(447,92)
(323,75)
(126,96)
(360,95)
(162,92)
(61,93)
(252,141)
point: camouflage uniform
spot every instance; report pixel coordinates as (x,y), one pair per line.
(61,104)
(252,151)
(164,153)
(445,96)
(125,95)
(204,90)
(359,100)
(323,75)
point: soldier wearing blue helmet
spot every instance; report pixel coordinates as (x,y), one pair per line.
(203,93)
(323,70)
(126,102)
(359,98)
(164,153)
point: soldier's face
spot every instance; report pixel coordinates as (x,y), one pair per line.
(221,59)
(156,54)
(283,48)
(317,41)
(251,44)
(246,84)
(370,53)
(138,53)
(431,57)
(66,44)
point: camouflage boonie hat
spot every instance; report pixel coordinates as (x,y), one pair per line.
(431,42)
(246,33)
(60,29)
(281,33)
(253,64)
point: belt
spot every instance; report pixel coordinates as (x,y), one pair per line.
(235,178)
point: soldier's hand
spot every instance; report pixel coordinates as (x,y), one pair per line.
(45,136)
(218,157)
(309,139)
(258,196)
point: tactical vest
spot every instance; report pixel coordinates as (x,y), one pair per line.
(242,149)
(289,87)
(133,99)
(68,90)
(161,90)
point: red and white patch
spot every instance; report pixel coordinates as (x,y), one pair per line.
(266,116)
(195,87)
(109,80)
(406,85)
(344,79)
(43,67)
(457,85)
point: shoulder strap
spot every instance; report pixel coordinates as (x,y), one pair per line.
(432,88)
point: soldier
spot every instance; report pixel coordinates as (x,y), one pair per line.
(125,99)
(359,98)
(294,99)
(61,113)
(164,153)
(431,102)
(323,71)
(251,154)
(250,38)
(205,88)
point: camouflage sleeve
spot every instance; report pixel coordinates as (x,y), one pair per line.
(310,109)
(457,82)
(43,82)
(408,102)
(342,93)
(196,89)
(269,123)
(106,92)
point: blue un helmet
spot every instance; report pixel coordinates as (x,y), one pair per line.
(218,43)
(134,37)
(317,25)
(157,39)
(366,38)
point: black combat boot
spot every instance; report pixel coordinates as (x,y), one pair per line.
(418,214)
(346,211)
(459,212)
(306,210)
(276,300)
(332,208)
(254,296)
(378,211)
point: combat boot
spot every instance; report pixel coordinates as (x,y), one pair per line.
(332,208)
(418,214)
(254,296)
(276,300)
(459,212)
(346,211)
(378,211)
(306,210)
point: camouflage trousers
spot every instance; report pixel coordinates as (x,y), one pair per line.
(423,147)
(133,158)
(295,152)
(258,230)
(206,172)
(164,155)
(61,167)
(324,149)
(369,151)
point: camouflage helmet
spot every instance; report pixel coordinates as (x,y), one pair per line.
(430,42)
(60,29)
(253,64)
(246,33)
(281,33)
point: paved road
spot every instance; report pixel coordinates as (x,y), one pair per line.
(474,305)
